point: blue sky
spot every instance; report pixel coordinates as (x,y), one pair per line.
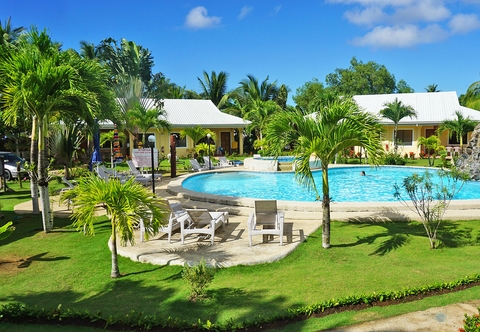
(421,41)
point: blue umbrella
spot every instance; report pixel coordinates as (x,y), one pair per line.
(96,156)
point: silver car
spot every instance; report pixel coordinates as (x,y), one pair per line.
(11,161)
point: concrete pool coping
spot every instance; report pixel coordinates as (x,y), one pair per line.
(457,210)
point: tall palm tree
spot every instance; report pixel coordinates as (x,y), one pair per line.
(127,204)
(9,35)
(396,111)
(213,87)
(471,98)
(335,126)
(432,88)
(144,119)
(458,127)
(258,114)
(50,85)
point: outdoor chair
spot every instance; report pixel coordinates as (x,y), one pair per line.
(63,190)
(136,172)
(266,221)
(224,162)
(202,222)
(196,166)
(177,214)
(208,162)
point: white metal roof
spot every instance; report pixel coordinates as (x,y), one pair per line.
(431,107)
(196,112)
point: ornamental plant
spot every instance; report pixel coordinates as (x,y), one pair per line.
(198,276)
(431,197)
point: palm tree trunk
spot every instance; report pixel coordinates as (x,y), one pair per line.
(112,243)
(31,173)
(43,179)
(325,209)
(395,147)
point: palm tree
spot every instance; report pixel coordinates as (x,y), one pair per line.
(432,143)
(126,204)
(432,88)
(144,119)
(7,34)
(458,127)
(471,98)
(214,87)
(335,126)
(50,85)
(396,111)
(259,113)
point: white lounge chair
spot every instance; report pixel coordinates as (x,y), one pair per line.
(136,172)
(104,174)
(196,166)
(266,220)
(208,162)
(202,222)
(70,186)
(177,214)
(224,162)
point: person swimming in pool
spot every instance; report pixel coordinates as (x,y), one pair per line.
(362,173)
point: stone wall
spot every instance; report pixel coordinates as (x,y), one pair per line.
(469,161)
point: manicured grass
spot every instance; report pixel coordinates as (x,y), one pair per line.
(65,267)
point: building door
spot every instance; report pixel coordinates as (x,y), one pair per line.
(225,142)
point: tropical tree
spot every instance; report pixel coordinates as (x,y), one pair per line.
(9,35)
(432,145)
(47,84)
(258,114)
(396,111)
(332,127)
(471,98)
(432,88)
(144,119)
(127,205)
(403,87)
(213,87)
(458,127)
(362,79)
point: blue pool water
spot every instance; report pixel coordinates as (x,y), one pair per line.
(346,184)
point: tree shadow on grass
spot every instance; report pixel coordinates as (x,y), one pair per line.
(397,230)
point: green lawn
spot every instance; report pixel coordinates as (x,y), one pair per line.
(65,267)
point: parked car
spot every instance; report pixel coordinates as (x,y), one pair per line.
(11,170)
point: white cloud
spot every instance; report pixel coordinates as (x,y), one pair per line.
(277,9)
(463,23)
(244,12)
(367,16)
(198,18)
(405,23)
(401,36)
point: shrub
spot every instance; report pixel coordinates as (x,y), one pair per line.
(394,159)
(471,323)
(198,276)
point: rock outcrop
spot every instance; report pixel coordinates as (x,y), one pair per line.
(469,161)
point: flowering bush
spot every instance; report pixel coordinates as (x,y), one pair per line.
(412,155)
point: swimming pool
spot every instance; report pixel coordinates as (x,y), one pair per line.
(346,184)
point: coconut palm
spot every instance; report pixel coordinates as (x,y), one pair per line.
(126,204)
(471,98)
(9,35)
(396,111)
(258,114)
(432,145)
(335,126)
(432,88)
(458,127)
(49,85)
(213,87)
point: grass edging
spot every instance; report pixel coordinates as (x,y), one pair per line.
(20,313)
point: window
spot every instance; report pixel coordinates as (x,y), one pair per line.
(180,142)
(405,137)
(454,141)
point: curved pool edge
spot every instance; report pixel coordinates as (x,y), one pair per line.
(458,209)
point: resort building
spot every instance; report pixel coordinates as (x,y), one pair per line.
(188,113)
(432,109)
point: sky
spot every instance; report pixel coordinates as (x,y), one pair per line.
(423,42)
